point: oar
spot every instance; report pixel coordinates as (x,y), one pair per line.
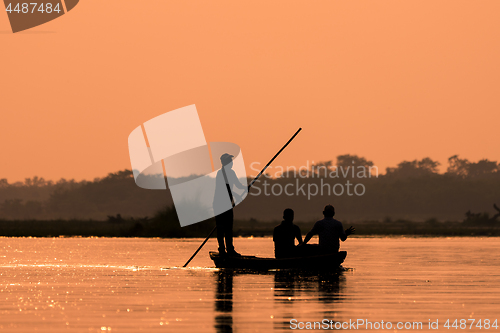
(249,186)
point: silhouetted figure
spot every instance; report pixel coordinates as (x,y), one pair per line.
(224,181)
(284,236)
(329,231)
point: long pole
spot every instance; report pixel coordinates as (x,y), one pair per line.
(249,186)
(274,157)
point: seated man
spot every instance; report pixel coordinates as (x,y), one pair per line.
(329,231)
(284,236)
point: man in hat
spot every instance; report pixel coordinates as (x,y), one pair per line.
(329,231)
(223,208)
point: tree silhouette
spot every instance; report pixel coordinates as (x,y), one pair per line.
(349,162)
(414,169)
(482,168)
(458,167)
(411,190)
(464,169)
(321,169)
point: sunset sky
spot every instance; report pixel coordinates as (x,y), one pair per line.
(386,80)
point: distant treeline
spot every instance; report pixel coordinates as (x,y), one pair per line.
(166,225)
(413,190)
(68,199)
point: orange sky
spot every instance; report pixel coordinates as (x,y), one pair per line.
(387,80)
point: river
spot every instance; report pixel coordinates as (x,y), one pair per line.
(135,284)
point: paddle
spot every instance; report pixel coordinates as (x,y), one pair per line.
(249,186)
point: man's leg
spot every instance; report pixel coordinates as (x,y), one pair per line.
(228,230)
(229,233)
(219,223)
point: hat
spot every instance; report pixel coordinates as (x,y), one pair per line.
(226,158)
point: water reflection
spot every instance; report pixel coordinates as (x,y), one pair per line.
(285,284)
(292,292)
(330,287)
(326,286)
(224,301)
(79,280)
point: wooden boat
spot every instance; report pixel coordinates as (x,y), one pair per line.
(321,262)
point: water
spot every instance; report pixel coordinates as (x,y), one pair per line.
(132,285)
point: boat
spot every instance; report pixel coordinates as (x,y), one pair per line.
(318,262)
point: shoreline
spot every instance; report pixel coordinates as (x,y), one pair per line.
(163,228)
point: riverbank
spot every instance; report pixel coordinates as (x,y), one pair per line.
(166,228)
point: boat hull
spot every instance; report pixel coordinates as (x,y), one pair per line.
(321,262)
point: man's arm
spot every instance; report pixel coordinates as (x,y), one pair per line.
(314,231)
(308,237)
(298,234)
(347,232)
(235,181)
(343,234)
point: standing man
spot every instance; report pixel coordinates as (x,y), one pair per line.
(329,231)
(223,208)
